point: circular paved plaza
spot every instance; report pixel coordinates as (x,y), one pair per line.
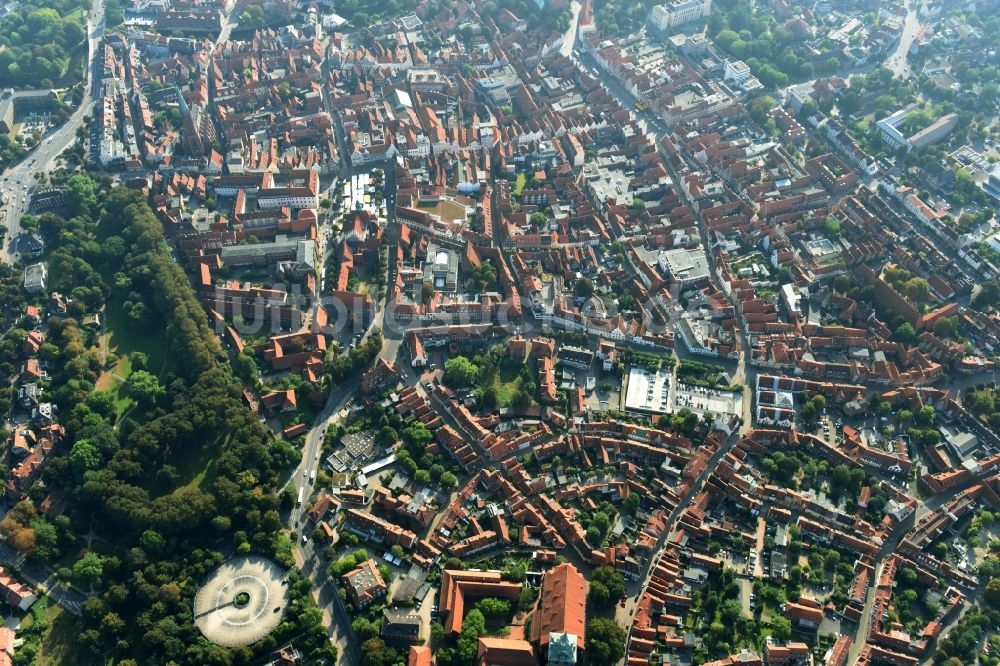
(241,601)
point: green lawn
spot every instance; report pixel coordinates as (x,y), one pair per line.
(56,648)
(122,337)
(522,180)
(71,555)
(126,338)
(198,471)
(504,381)
(113,380)
(74,71)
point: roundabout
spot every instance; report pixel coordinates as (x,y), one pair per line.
(241,601)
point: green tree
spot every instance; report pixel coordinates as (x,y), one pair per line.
(917,120)
(375,652)
(730,612)
(417,435)
(493,607)
(944,327)
(630,504)
(760,107)
(917,289)
(84,456)
(426,292)
(809,108)
(527,598)
(81,195)
(460,372)
(246,368)
(386,436)
(521,400)
(88,570)
(484,275)
(925,416)
(906,333)
(988,295)
(606,587)
(46,540)
(781,628)
(605,642)
(473,626)
(515,571)
(992,592)
(153,542)
(146,388)
(365,629)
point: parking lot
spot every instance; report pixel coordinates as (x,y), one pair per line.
(702,400)
(94,142)
(649,391)
(35,123)
(355,449)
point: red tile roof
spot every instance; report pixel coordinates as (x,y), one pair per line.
(563,605)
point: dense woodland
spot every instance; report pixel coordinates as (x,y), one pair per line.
(38,42)
(124,475)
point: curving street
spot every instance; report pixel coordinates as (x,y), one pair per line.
(303,479)
(18,182)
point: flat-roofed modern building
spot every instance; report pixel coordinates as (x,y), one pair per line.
(679,12)
(35,276)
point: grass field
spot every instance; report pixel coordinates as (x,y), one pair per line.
(56,646)
(74,71)
(121,337)
(522,180)
(72,554)
(199,470)
(113,380)
(126,338)
(504,380)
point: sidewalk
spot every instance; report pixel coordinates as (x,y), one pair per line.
(42,579)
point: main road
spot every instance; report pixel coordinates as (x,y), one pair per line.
(19,180)
(303,479)
(897,61)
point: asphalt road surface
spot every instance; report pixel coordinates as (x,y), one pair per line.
(18,181)
(897,60)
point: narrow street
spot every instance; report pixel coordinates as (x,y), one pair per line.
(654,128)
(43,578)
(676,513)
(888,548)
(745,373)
